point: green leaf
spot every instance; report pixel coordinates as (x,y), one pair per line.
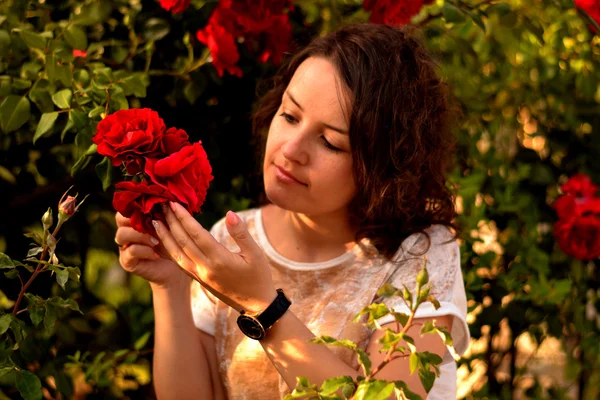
(330,386)
(36,314)
(50,316)
(4,43)
(96,111)
(427,327)
(432,358)
(427,379)
(63,74)
(413,360)
(45,125)
(134,85)
(14,112)
(333,341)
(452,14)
(364,361)
(12,274)
(401,318)
(6,262)
(104,170)
(33,39)
(155,29)
(5,321)
(76,37)
(62,276)
(29,385)
(62,98)
(374,390)
(387,290)
(348,390)
(94,13)
(80,120)
(21,84)
(402,386)
(141,342)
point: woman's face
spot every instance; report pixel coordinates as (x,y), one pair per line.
(308,138)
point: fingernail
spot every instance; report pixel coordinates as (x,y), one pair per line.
(155,225)
(232,218)
(173,205)
(164,207)
(154,240)
(156,256)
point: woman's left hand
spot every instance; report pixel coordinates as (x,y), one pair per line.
(241,280)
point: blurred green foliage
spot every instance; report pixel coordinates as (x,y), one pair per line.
(524,72)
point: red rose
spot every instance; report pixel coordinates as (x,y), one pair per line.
(141,201)
(580,185)
(222,47)
(392,12)
(127,135)
(591,8)
(277,40)
(173,140)
(174,6)
(79,53)
(185,174)
(579,237)
(256,16)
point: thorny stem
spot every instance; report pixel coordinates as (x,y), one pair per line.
(38,269)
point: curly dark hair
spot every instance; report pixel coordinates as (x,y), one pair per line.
(401,129)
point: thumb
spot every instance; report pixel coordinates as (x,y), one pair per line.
(239,232)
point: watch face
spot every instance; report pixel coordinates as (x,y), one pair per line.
(250,327)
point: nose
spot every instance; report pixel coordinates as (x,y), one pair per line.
(295,149)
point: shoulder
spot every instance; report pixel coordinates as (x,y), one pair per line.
(443,260)
(434,241)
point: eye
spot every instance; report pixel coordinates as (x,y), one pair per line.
(329,145)
(288,118)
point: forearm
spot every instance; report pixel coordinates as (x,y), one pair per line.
(180,366)
(286,344)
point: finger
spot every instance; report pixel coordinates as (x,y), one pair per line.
(132,255)
(176,252)
(121,220)
(127,235)
(201,237)
(239,232)
(183,239)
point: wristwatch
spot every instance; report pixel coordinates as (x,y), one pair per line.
(256,326)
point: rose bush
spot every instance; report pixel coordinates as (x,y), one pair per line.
(578,226)
(525,75)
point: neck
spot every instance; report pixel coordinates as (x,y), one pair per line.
(324,230)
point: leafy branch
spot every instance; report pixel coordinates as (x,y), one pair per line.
(397,344)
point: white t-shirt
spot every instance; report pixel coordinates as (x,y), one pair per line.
(326,296)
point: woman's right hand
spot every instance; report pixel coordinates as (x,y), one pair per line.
(144,255)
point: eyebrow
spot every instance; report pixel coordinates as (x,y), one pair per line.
(333,128)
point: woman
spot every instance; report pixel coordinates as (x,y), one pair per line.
(358,146)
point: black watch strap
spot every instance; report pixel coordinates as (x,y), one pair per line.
(275,310)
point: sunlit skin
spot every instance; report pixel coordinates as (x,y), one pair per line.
(313,212)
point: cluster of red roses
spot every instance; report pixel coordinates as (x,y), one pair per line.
(578,227)
(265,28)
(263,25)
(165,166)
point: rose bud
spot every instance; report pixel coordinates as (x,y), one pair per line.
(67,206)
(47,219)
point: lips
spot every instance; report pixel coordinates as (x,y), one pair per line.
(289,174)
